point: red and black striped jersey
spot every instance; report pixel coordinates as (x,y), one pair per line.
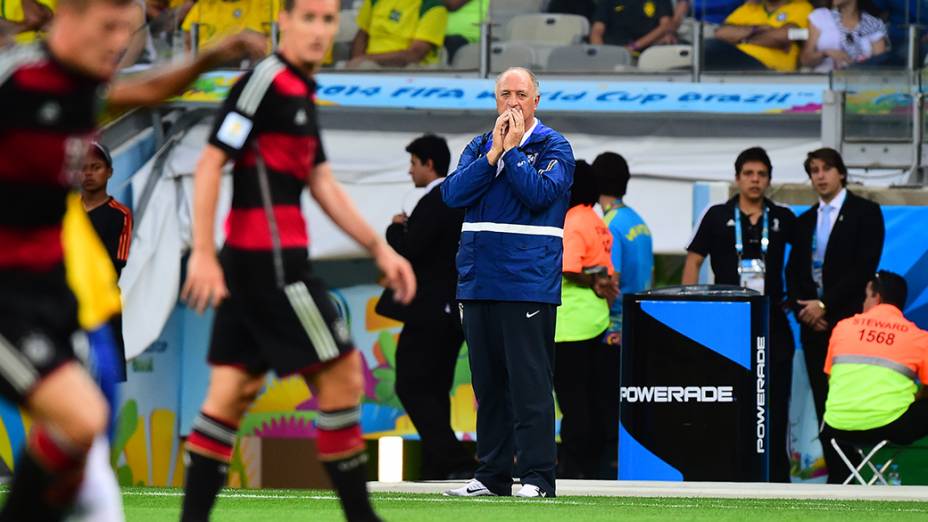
(113,223)
(47,118)
(270,111)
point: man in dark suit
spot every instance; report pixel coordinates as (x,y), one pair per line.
(838,245)
(432,336)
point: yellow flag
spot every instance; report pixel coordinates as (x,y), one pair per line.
(90,272)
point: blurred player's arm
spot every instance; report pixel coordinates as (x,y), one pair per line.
(333,200)
(205,284)
(155,87)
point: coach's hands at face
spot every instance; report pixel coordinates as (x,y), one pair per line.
(205,285)
(500,129)
(516,129)
(397,272)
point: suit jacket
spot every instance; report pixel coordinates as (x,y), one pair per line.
(851,257)
(429,240)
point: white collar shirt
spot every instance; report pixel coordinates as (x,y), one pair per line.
(434,183)
(835,205)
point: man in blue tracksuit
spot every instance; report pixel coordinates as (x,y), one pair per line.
(514,183)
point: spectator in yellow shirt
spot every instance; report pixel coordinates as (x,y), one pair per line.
(220,18)
(396,33)
(756,37)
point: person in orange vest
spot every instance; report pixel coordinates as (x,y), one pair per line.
(875,363)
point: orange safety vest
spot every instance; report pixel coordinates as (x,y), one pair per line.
(875,360)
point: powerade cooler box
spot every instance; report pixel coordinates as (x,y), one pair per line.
(694,385)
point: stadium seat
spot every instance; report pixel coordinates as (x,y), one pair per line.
(666,57)
(502,11)
(587,58)
(563,29)
(518,6)
(502,56)
(866,460)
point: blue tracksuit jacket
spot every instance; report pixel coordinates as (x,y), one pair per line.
(512,237)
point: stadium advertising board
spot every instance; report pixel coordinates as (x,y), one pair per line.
(384,91)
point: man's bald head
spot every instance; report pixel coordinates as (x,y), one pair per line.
(517,90)
(521,71)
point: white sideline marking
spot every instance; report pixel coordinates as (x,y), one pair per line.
(267,496)
(837,505)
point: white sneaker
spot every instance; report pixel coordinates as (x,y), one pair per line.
(530,491)
(474,488)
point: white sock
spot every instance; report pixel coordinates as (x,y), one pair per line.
(99,499)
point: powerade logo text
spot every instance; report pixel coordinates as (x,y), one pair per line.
(761,360)
(677,394)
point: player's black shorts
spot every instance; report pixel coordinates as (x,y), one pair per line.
(261,327)
(38,329)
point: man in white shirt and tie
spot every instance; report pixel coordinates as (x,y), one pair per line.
(838,246)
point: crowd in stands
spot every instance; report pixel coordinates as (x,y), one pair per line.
(756,35)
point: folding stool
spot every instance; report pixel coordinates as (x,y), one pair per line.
(866,458)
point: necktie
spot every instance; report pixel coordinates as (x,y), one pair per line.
(822,232)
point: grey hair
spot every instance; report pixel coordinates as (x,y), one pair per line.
(529,72)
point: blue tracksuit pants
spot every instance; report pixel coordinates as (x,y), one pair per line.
(511,349)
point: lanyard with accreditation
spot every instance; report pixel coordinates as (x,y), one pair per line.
(751,271)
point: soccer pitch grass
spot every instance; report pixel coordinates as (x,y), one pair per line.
(157,505)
